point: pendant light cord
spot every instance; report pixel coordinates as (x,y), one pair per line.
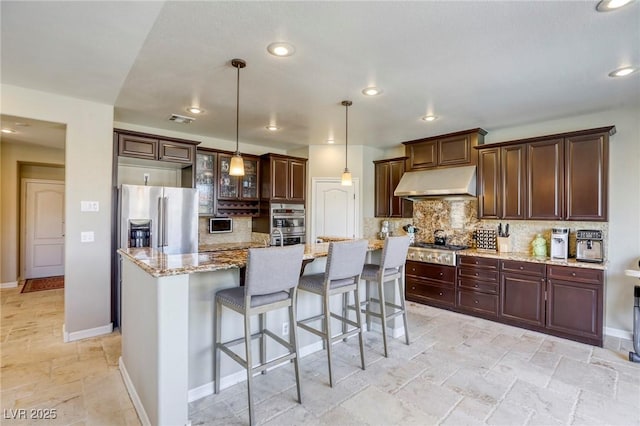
(238,113)
(346,134)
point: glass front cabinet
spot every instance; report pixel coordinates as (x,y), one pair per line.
(237,195)
(205,182)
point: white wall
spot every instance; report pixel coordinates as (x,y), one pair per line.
(624,198)
(88,161)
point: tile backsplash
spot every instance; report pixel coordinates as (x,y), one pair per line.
(241,232)
(459,219)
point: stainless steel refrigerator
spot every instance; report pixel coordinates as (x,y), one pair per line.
(162,218)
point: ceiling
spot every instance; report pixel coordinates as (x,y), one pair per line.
(472,64)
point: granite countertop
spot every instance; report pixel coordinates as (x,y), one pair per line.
(527,257)
(229,246)
(158,264)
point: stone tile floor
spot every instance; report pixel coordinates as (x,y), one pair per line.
(458,370)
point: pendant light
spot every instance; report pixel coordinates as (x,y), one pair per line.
(346,175)
(236,168)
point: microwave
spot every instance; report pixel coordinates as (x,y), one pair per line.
(219,225)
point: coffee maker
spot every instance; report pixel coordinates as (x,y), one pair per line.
(559,243)
(589,246)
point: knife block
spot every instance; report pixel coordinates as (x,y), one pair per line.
(504,244)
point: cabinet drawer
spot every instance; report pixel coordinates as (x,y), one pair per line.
(478,274)
(422,291)
(475,285)
(479,262)
(527,268)
(480,302)
(593,276)
(431,271)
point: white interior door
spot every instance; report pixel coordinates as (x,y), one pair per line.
(44,228)
(334,208)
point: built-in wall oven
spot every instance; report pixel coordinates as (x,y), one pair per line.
(287,224)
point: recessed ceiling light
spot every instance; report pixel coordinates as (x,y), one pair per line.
(8,131)
(272,127)
(371,91)
(609,5)
(330,141)
(429,118)
(622,72)
(195,110)
(281,48)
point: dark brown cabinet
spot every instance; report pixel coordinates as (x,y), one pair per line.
(150,147)
(555,177)
(575,303)
(586,172)
(450,150)
(545,180)
(477,287)
(283,178)
(431,284)
(387,175)
(522,293)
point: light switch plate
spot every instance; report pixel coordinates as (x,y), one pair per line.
(87,237)
(89,206)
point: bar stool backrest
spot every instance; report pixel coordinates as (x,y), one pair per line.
(273,269)
(345,259)
(394,252)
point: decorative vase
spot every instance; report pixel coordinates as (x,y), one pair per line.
(539,245)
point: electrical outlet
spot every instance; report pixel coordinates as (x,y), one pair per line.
(285,328)
(146,178)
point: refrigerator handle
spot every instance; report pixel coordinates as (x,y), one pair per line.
(165,230)
(160,224)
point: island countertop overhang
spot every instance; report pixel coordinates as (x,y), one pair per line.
(158,264)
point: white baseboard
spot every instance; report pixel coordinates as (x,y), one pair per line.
(10,284)
(86,334)
(137,404)
(616,332)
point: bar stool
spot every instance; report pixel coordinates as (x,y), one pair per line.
(345,261)
(271,280)
(390,269)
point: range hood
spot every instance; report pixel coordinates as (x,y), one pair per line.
(453,181)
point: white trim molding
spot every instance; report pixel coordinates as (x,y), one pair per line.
(135,398)
(616,332)
(10,284)
(85,334)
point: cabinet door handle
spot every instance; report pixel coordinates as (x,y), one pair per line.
(476,262)
(440,293)
(476,286)
(573,274)
(521,268)
(475,301)
(413,287)
(441,273)
(476,274)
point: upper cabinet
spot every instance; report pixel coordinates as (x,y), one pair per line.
(555,177)
(237,195)
(206,162)
(387,176)
(150,147)
(453,149)
(283,178)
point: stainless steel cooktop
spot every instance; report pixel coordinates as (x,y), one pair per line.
(434,253)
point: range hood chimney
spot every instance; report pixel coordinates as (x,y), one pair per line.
(452,181)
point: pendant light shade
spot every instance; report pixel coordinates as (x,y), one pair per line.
(236,168)
(346,175)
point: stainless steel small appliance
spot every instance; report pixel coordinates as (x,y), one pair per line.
(287,224)
(559,243)
(589,246)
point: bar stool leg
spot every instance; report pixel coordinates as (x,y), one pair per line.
(327,336)
(383,313)
(345,313)
(247,343)
(293,339)
(262,319)
(404,308)
(216,350)
(367,295)
(356,294)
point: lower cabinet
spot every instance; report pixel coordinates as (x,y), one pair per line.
(575,303)
(560,300)
(477,285)
(430,284)
(522,293)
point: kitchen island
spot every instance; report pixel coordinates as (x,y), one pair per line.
(167,326)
